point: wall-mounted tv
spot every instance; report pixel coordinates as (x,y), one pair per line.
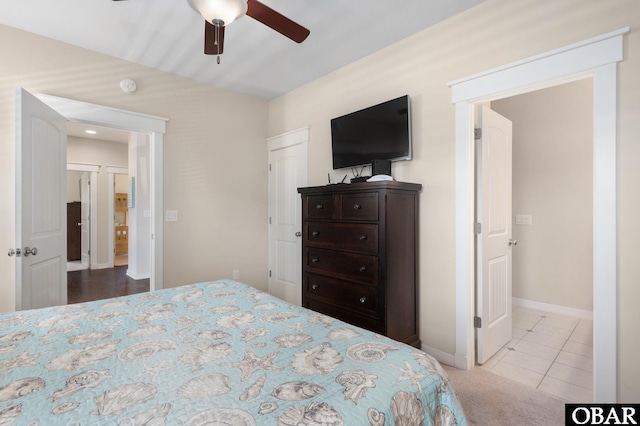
(380,132)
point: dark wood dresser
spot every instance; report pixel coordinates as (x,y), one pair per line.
(360,255)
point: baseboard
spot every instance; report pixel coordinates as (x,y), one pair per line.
(135,276)
(555,309)
(440,356)
(101,266)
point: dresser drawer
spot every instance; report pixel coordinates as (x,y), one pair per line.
(377,325)
(345,236)
(320,207)
(363,206)
(343,293)
(357,267)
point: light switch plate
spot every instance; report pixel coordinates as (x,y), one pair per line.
(524,219)
(171,215)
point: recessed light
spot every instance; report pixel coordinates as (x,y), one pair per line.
(91,132)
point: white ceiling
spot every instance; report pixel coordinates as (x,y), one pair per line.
(168,35)
(101,133)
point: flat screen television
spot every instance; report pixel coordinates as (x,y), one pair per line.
(380,132)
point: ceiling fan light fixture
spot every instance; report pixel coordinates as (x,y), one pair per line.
(215,11)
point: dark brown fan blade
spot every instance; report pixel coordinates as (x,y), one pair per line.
(276,21)
(213,39)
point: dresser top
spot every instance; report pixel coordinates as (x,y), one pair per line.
(361,186)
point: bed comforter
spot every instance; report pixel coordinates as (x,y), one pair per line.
(211,353)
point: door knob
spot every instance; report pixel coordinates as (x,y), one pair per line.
(28,251)
(513,243)
(16,252)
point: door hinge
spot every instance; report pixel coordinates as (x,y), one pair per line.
(269,167)
(477,228)
(269,273)
(477,133)
(269,220)
(477,322)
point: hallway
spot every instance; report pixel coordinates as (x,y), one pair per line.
(87,285)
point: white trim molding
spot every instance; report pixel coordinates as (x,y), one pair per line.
(554,309)
(294,137)
(596,58)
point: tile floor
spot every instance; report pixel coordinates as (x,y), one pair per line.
(551,352)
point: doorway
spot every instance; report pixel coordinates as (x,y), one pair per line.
(154,127)
(120,213)
(598,58)
(550,344)
(79,180)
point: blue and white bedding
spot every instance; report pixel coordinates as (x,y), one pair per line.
(211,353)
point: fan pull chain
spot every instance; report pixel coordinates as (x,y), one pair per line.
(217,42)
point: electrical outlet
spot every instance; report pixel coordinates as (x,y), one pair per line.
(236,274)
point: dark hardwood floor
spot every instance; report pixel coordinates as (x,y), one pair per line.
(88,285)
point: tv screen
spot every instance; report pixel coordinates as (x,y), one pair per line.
(380,132)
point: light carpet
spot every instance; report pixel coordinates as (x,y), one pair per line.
(489,399)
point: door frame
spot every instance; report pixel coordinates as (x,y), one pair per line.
(286,140)
(597,58)
(104,116)
(93,170)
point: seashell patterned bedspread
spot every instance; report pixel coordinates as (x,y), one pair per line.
(211,353)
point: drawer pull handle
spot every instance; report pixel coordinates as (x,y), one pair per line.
(315,287)
(315,233)
(363,299)
(319,206)
(357,206)
(363,268)
(315,260)
(363,238)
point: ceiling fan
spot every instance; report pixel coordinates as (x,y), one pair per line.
(220,13)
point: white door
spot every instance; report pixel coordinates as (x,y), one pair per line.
(85,221)
(287,173)
(494,243)
(41,219)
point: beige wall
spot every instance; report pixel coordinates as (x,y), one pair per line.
(215,156)
(553,182)
(103,153)
(493,33)
(73,186)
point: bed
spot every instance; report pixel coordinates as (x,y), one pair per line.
(220,352)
